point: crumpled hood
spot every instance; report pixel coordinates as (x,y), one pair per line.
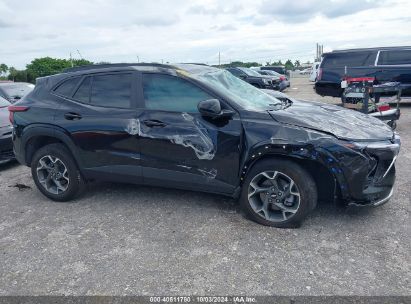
(342,123)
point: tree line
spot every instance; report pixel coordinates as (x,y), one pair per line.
(39,67)
(46,66)
(289,65)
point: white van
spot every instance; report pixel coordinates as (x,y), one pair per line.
(314,71)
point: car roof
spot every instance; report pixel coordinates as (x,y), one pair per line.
(388,48)
(192,68)
(172,69)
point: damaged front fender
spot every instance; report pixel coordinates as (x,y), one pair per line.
(314,150)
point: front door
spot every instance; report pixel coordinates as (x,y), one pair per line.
(179,147)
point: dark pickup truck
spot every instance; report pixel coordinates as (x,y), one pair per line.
(384,64)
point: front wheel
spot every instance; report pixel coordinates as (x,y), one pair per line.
(55,173)
(278,193)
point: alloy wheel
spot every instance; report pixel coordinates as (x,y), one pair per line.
(52,174)
(274,196)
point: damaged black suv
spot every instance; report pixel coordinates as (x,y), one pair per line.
(200,128)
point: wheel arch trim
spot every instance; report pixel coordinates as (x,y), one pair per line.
(43,130)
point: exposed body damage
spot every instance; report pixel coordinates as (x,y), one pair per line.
(195,137)
(355,173)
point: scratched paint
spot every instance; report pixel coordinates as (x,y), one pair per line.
(194,135)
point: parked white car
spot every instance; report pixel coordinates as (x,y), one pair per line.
(314,71)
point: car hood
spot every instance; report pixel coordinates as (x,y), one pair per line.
(342,123)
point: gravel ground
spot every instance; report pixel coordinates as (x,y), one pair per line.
(124,239)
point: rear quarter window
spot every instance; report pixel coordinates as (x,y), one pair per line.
(349,59)
(394,57)
(67,87)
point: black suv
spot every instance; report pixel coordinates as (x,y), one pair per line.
(384,64)
(200,128)
(256,79)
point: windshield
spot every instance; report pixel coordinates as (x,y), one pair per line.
(250,72)
(18,90)
(241,92)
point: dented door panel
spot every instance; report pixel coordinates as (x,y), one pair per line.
(187,151)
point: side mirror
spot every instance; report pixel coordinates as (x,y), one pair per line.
(212,108)
(242,76)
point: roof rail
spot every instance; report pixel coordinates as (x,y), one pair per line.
(112,65)
(384,48)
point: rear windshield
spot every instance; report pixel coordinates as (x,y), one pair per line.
(279,70)
(349,59)
(394,57)
(249,72)
(17,90)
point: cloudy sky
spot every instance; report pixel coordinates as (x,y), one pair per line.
(196,31)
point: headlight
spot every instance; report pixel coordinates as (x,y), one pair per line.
(265,81)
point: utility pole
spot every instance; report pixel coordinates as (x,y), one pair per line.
(71,60)
(319,51)
(219,59)
(80,55)
(138,59)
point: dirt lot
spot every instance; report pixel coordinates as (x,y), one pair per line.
(124,239)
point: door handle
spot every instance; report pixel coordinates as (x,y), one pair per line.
(72,116)
(154,123)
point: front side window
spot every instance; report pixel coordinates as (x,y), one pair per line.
(111,91)
(170,93)
(394,57)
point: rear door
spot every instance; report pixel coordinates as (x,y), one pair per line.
(395,65)
(179,147)
(100,116)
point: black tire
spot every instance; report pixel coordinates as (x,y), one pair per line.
(76,182)
(257,85)
(303,181)
(392,124)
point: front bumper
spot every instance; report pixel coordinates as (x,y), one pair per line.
(371,177)
(375,203)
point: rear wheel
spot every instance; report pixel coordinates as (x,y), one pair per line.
(278,193)
(55,173)
(392,124)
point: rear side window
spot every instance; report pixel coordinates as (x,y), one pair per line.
(169,93)
(67,87)
(349,59)
(394,57)
(83,92)
(111,91)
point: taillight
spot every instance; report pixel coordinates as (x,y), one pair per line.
(13,109)
(384,108)
(320,74)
